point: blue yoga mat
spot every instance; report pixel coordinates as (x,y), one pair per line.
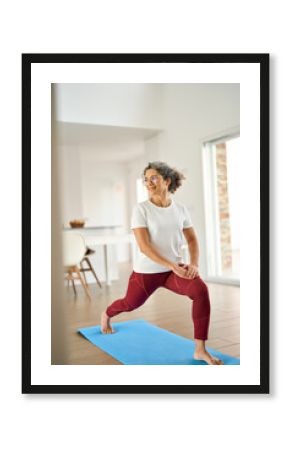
(138,342)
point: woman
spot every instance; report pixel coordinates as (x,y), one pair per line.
(158,224)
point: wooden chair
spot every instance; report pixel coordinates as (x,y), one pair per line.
(89,267)
(74,250)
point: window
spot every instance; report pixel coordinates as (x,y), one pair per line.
(222,189)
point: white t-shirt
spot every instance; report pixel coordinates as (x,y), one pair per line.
(165,227)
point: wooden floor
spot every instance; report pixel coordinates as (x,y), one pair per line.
(164,309)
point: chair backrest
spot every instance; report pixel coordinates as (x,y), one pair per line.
(73,248)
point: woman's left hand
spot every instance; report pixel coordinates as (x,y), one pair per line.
(192,270)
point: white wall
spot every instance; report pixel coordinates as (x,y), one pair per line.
(71,184)
(103,186)
(136,167)
(104,198)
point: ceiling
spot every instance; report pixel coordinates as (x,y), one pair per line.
(104,142)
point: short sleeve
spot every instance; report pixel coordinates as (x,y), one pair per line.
(138,218)
(187,223)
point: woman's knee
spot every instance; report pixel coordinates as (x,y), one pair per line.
(198,289)
(128,306)
(133,304)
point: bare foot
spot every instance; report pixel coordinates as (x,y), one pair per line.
(105,324)
(207,357)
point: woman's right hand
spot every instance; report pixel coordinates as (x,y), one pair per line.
(180,271)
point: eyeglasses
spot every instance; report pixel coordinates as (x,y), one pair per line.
(152,179)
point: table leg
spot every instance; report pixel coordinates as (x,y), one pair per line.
(131,250)
(108,281)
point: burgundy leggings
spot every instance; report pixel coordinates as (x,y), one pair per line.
(142,285)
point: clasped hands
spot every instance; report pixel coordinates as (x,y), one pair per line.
(188,271)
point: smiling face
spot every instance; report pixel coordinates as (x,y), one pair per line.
(155,183)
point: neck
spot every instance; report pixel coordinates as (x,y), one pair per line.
(162,201)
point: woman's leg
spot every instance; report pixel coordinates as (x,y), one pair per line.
(140,287)
(197,291)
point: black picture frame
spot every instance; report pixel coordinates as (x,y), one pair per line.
(248,58)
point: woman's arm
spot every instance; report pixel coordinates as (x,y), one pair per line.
(143,240)
(192,243)
(193,248)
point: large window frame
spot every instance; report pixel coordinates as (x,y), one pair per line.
(212,228)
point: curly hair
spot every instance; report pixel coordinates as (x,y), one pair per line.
(166,172)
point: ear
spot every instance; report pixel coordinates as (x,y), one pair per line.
(168,181)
